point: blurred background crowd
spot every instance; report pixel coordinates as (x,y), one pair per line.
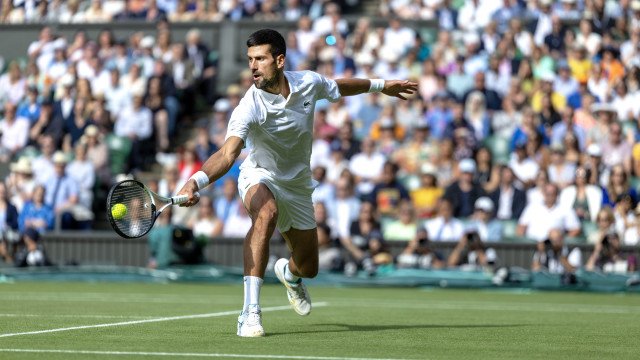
(525,125)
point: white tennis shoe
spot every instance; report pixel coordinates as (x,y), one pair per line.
(297,293)
(250,322)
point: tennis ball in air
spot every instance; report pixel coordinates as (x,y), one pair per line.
(119,211)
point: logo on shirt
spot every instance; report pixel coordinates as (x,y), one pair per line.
(306,103)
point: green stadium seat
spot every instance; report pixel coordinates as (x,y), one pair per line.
(588,228)
(499,147)
(119,151)
(509,228)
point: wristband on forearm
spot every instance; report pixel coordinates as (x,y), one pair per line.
(376,85)
(201,179)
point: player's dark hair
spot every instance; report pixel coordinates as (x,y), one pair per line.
(268,37)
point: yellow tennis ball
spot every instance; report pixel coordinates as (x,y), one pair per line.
(119,211)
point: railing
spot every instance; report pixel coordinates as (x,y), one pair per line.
(105,248)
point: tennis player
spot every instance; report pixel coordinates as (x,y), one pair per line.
(275,121)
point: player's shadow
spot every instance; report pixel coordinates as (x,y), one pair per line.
(336,328)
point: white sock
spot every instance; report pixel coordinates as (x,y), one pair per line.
(252,285)
(288,275)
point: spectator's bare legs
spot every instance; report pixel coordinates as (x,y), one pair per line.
(261,206)
(162,134)
(303,245)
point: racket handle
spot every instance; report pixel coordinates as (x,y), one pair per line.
(180,199)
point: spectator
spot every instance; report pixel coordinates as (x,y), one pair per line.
(632,234)
(464,192)
(484,222)
(12,85)
(136,123)
(342,208)
(524,168)
(20,183)
(567,125)
(330,22)
(206,226)
(585,199)
(367,166)
(97,153)
(607,257)
(539,219)
(364,241)
(336,164)
(418,254)
(329,256)
(404,227)
(491,97)
(561,172)
(61,192)
(14,131)
(36,214)
(477,115)
(82,171)
(619,185)
(30,107)
(444,227)
(510,199)
(425,198)
(205,70)
(553,256)
(96,13)
(8,215)
(487,172)
(388,192)
(32,252)
(227,204)
(616,151)
(598,172)
(471,254)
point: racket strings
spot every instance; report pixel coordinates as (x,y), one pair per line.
(139,212)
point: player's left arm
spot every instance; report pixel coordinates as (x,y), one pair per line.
(395,88)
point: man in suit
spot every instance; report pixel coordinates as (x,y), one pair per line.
(510,201)
(464,192)
(205,70)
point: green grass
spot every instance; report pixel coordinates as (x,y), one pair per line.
(355,323)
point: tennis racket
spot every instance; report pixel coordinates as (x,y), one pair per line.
(132,208)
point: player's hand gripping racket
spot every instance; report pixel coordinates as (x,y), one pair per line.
(133,209)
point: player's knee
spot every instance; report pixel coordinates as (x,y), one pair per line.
(269,213)
(309,270)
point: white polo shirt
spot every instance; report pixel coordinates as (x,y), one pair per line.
(279,131)
(540,220)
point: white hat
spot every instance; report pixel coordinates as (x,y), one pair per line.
(471,38)
(602,107)
(467,166)
(547,76)
(59,158)
(484,203)
(147,42)
(22,166)
(594,150)
(67,80)
(222,105)
(91,130)
(635,5)
(568,1)
(428,169)
(364,58)
(59,44)
(546,2)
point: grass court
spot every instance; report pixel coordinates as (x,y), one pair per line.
(198,321)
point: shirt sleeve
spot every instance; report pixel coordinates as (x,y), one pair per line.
(327,89)
(241,118)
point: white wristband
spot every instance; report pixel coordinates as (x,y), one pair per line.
(201,179)
(376,85)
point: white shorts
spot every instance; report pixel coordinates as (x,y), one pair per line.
(295,209)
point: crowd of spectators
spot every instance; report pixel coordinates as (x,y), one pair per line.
(525,123)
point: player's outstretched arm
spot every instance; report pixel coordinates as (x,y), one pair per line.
(395,88)
(216,165)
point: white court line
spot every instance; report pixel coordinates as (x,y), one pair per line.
(134,322)
(86,316)
(203,355)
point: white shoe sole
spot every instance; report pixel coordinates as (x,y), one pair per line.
(280,276)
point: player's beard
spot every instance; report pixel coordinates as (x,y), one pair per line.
(267,83)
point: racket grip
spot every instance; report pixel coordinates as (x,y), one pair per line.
(180,199)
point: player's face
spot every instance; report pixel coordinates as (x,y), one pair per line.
(264,67)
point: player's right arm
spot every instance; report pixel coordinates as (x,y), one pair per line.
(216,165)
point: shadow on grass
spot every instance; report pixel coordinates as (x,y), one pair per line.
(336,328)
